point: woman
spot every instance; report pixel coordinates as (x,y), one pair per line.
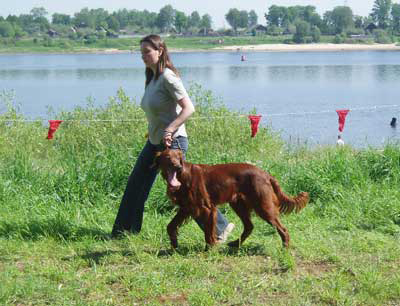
(167,106)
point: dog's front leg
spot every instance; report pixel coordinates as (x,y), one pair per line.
(210,219)
(172,227)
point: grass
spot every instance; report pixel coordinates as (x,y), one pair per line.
(59,199)
(62,45)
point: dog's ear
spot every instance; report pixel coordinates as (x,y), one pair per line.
(156,163)
(181,159)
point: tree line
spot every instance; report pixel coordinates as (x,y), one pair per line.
(303,22)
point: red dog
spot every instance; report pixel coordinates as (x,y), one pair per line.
(198,189)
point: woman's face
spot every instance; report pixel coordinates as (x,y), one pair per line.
(150,56)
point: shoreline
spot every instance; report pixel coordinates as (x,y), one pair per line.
(311,47)
(320,47)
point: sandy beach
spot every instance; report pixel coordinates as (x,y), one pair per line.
(311,47)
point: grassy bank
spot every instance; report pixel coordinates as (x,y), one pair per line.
(58,45)
(58,200)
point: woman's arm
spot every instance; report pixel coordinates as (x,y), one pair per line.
(187,110)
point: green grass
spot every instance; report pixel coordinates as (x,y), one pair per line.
(59,198)
(64,45)
(61,45)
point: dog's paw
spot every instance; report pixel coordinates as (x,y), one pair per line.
(234,244)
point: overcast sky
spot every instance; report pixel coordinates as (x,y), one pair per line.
(216,8)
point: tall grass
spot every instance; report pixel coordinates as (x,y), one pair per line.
(58,200)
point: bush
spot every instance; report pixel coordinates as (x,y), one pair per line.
(339,39)
(302,30)
(6,29)
(381,37)
(90,39)
(65,44)
(315,34)
(47,42)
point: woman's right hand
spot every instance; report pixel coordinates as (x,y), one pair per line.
(167,138)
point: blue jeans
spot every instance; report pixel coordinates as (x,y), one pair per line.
(130,213)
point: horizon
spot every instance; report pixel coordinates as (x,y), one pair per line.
(216,10)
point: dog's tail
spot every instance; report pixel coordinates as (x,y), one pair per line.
(288,204)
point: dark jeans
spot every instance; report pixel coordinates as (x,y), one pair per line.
(130,213)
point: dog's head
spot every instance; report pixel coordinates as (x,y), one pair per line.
(170,162)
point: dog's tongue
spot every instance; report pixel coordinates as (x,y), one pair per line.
(172,180)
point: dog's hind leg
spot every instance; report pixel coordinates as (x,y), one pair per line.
(172,227)
(244,214)
(272,217)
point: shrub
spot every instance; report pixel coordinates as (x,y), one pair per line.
(315,34)
(339,39)
(381,37)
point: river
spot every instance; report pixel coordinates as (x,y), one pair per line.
(296,92)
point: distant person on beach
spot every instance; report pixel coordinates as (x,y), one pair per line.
(340,141)
(393,122)
(167,106)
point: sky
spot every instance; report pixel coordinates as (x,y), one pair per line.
(215,8)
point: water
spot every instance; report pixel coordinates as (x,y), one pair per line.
(297,93)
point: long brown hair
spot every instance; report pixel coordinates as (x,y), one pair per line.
(164,62)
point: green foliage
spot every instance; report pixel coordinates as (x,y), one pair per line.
(302,31)
(315,34)
(59,199)
(342,19)
(381,12)
(381,37)
(396,18)
(6,29)
(340,38)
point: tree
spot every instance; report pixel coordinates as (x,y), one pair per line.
(277,16)
(18,32)
(396,17)
(122,17)
(38,12)
(100,17)
(381,13)
(342,18)
(358,22)
(315,34)
(84,19)
(166,18)
(233,18)
(61,19)
(113,23)
(194,19)
(206,22)
(308,13)
(6,29)
(237,19)
(252,18)
(302,30)
(181,21)
(244,19)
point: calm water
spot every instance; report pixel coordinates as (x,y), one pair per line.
(297,93)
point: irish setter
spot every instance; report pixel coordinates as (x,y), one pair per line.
(198,189)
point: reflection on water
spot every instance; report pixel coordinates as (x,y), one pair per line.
(284,87)
(240,73)
(293,73)
(387,73)
(81,74)
(203,73)
(339,73)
